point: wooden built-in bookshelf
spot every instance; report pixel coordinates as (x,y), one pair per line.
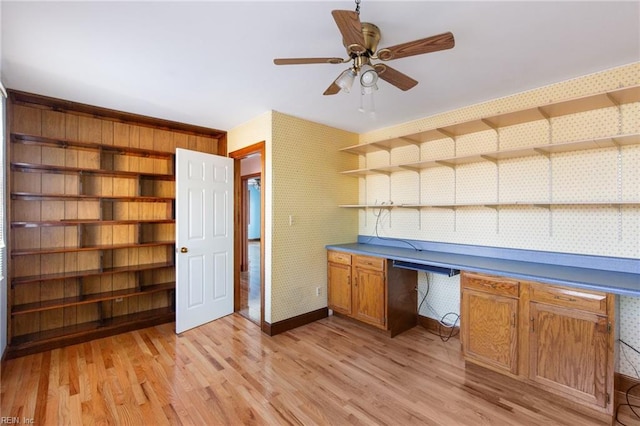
(91,215)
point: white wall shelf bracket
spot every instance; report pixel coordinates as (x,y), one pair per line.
(446,164)
(490,158)
(411,141)
(446,133)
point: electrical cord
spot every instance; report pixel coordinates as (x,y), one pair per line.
(441,324)
(631,406)
(378,215)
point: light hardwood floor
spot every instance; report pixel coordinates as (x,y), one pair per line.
(333,371)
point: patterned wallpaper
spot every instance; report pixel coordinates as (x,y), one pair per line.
(307,189)
(606,174)
(303,188)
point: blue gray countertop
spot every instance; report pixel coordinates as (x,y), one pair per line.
(613,275)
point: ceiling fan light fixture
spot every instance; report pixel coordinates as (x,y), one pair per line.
(368,90)
(368,76)
(346,79)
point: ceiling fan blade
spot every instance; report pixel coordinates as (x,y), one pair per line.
(348,23)
(332,90)
(395,77)
(303,61)
(417,47)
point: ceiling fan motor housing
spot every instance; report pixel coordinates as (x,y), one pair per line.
(371,36)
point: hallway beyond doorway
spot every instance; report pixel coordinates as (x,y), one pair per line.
(250,284)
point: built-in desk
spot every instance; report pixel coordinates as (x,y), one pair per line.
(516,305)
(600,273)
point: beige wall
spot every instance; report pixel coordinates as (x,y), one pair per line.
(308,188)
(302,181)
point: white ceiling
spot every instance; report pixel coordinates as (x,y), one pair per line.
(209,63)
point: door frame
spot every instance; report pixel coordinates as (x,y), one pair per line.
(238,155)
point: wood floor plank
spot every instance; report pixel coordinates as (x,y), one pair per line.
(331,372)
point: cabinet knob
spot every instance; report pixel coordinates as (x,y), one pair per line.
(184,250)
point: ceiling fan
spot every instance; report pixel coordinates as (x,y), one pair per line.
(361,41)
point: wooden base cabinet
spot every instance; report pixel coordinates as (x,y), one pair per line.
(490,332)
(339,282)
(557,338)
(370,290)
(569,340)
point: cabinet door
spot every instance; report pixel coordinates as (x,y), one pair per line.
(339,284)
(568,351)
(369,297)
(489,329)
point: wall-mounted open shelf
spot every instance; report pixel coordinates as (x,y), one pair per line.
(493,124)
(495,156)
(607,99)
(543,204)
(368,206)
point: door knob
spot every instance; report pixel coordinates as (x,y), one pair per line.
(184,250)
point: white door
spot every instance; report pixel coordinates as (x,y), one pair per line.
(204,238)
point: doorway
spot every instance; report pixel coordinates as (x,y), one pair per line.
(249,232)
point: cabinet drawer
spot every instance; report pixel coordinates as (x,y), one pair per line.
(591,301)
(375,263)
(489,284)
(339,257)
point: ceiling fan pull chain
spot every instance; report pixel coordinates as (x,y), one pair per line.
(358,7)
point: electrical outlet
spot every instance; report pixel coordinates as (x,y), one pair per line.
(318,291)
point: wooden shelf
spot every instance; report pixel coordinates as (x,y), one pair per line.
(45,168)
(385,145)
(89,273)
(93,222)
(367,206)
(495,156)
(59,250)
(554,109)
(32,196)
(545,204)
(90,298)
(26,139)
(58,337)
